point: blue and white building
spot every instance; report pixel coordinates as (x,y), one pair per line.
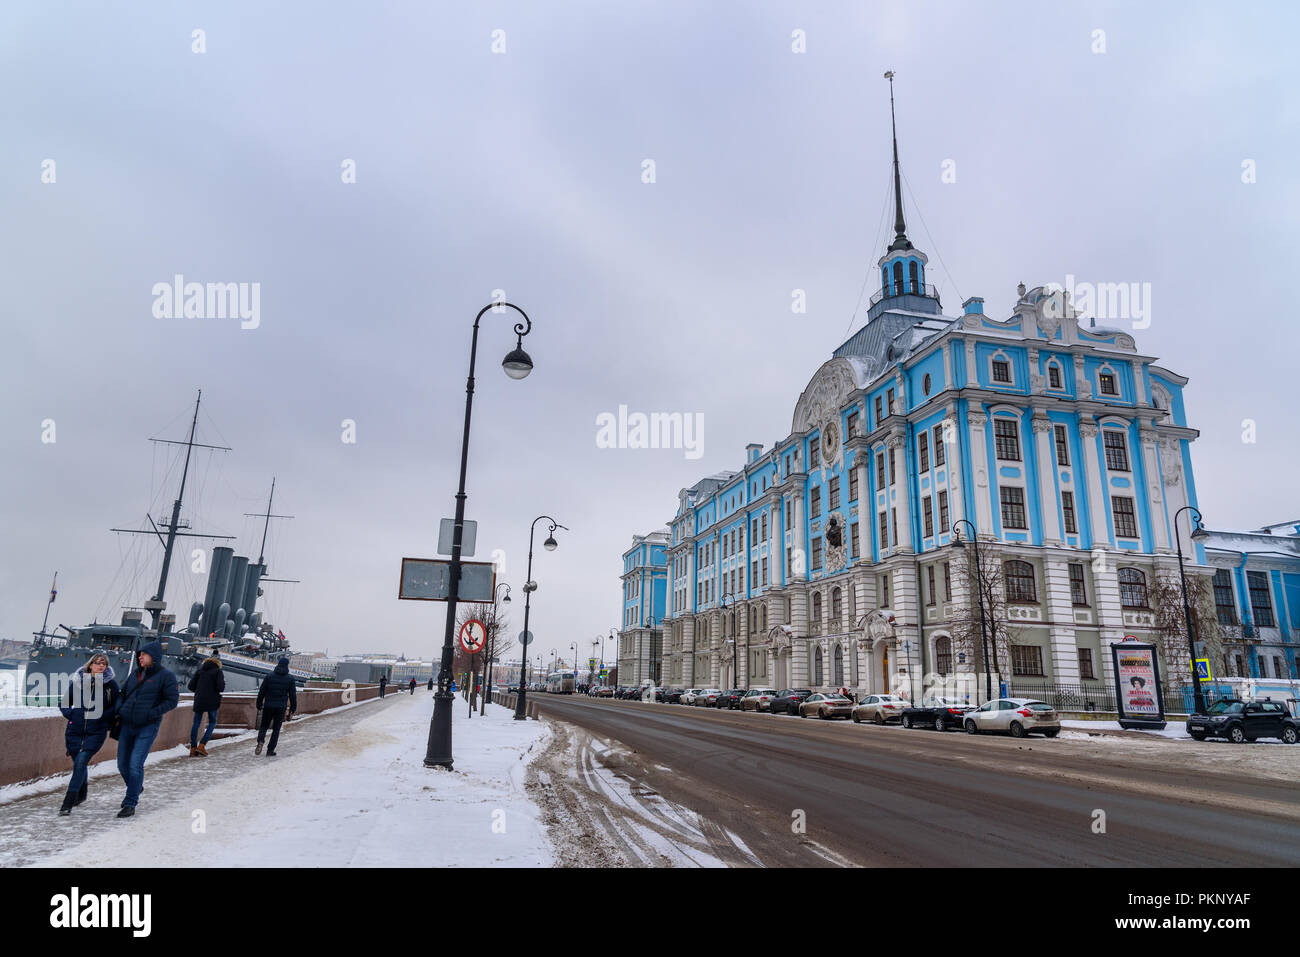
(645,596)
(826,559)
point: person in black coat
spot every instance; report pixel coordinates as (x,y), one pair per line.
(383,685)
(412,684)
(207,684)
(430,682)
(89,706)
(149,693)
(276,699)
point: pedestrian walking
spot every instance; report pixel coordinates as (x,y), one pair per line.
(207,684)
(149,692)
(383,685)
(430,682)
(89,706)
(412,684)
(277,698)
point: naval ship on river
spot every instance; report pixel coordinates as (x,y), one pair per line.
(226,623)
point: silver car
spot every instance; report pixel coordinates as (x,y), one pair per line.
(880,708)
(758,699)
(1015,716)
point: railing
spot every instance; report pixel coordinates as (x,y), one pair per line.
(906,288)
(1077,697)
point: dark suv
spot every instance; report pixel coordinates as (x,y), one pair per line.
(1240,721)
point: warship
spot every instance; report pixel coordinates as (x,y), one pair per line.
(226,623)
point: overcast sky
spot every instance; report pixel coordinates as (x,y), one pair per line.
(522,170)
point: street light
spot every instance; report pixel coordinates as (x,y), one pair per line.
(726,595)
(595,643)
(1198,699)
(496,627)
(517,365)
(530,586)
(574,646)
(979,597)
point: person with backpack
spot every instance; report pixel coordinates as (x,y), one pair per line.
(89,706)
(207,684)
(277,699)
(149,693)
(412,684)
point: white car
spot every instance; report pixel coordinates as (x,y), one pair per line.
(1015,716)
(688,696)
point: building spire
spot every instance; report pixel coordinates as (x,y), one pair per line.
(900,227)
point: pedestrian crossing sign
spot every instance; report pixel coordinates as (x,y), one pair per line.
(1203,670)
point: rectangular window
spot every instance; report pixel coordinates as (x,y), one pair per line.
(1006,439)
(754,536)
(815,502)
(1062,445)
(764,572)
(1027,660)
(889,401)
(853,539)
(1054,376)
(835,492)
(893,523)
(884,591)
(1116,450)
(816,553)
(947,582)
(928,509)
(1107,381)
(943,512)
(891,465)
(754,571)
(853,484)
(880,410)
(853,424)
(1224,604)
(880,470)
(884,531)
(1001,370)
(938,446)
(788,508)
(1261,602)
(1125,519)
(1067,510)
(763,536)
(1013,506)
(1085,664)
(789,562)
(923,451)
(929,576)
(1078,591)
(815,452)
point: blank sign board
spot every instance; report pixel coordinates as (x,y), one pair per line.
(428,579)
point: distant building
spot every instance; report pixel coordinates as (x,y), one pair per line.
(645,593)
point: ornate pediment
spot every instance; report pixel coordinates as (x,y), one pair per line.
(830,390)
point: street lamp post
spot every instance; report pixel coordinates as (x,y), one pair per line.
(574,646)
(1198,698)
(728,598)
(517,364)
(979,597)
(491,648)
(530,586)
(595,643)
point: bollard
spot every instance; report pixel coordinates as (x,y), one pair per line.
(532,710)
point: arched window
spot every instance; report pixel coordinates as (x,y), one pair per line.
(943,655)
(753,619)
(898,279)
(1019,578)
(837,667)
(837,608)
(817,667)
(914,276)
(1132,588)
(815,619)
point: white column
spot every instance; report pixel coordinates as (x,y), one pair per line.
(980,464)
(1059,609)
(902,486)
(688,651)
(1047,481)
(1097,502)
(800,536)
(866,507)
(1155,490)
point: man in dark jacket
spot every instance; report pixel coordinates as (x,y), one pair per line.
(276,694)
(412,684)
(430,683)
(383,685)
(149,693)
(207,684)
(89,706)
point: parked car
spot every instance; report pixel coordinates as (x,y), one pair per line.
(826,706)
(758,699)
(1015,716)
(688,696)
(788,700)
(730,699)
(1242,721)
(674,695)
(940,713)
(880,708)
(705,697)
(604,692)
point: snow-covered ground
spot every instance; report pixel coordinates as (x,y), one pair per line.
(1173,729)
(359,796)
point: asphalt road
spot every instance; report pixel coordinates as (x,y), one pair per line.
(811,792)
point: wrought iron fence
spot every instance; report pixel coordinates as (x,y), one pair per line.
(1063,697)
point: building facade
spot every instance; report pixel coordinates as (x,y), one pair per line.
(828,559)
(645,589)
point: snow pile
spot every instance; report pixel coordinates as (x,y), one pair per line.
(363,799)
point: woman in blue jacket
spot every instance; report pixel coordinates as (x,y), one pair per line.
(89,705)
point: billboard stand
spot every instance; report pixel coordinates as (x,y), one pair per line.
(1137,685)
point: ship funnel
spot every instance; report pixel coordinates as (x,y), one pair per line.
(218,585)
(235,587)
(222,616)
(255,573)
(196,617)
(239,622)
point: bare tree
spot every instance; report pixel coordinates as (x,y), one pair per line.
(964,625)
(495,622)
(1165,596)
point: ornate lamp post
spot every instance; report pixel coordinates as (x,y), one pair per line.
(517,365)
(979,597)
(530,586)
(1198,698)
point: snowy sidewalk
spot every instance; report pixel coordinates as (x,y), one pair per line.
(345,789)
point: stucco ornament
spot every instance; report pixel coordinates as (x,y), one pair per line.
(836,549)
(830,442)
(1171,462)
(876,626)
(780,636)
(830,390)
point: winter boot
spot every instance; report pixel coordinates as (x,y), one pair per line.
(68,804)
(194,752)
(259,748)
(270,754)
(126,811)
(202,750)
